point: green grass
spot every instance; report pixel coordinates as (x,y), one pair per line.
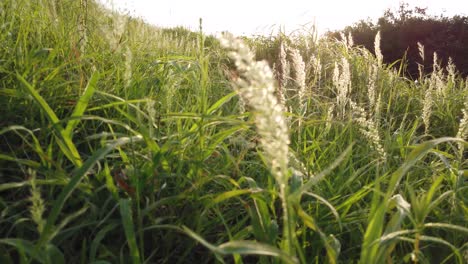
(133,147)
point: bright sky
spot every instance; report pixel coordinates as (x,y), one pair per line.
(264,16)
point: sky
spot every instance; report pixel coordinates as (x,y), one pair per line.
(251,17)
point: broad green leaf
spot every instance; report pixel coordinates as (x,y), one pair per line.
(220,102)
(63,140)
(29,163)
(332,245)
(54,255)
(81,105)
(230,194)
(127,221)
(98,238)
(415,155)
(242,247)
(25,246)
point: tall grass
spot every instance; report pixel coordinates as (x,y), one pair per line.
(121,142)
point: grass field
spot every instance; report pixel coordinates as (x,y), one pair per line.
(125,143)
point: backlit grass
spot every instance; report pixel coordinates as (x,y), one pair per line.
(121,142)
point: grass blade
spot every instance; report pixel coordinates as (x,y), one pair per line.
(78,175)
(64,142)
(81,105)
(242,247)
(127,221)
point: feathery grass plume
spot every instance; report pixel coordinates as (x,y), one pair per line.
(451,71)
(368,128)
(344,39)
(37,207)
(82,27)
(316,65)
(336,74)
(435,65)
(299,75)
(115,31)
(373,71)
(437,78)
(128,67)
(329,119)
(298,66)
(378,52)
(421,51)
(256,87)
(282,73)
(427,106)
(350,40)
(377,109)
(463,126)
(342,83)
(347,40)
(421,66)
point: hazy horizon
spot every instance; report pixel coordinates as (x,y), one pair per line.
(262,17)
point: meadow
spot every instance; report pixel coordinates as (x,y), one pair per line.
(121,142)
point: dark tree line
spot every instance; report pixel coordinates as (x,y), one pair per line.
(403,29)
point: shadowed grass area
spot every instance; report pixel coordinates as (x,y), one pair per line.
(121,142)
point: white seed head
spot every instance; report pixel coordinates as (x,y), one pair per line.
(427,106)
(378,52)
(463,126)
(342,83)
(300,74)
(368,129)
(350,40)
(256,87)
(421,50)
(373,71)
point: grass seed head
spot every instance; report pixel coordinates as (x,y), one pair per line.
(300,74)
(427,106)
(369,130)
(378,51)
(256,87)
